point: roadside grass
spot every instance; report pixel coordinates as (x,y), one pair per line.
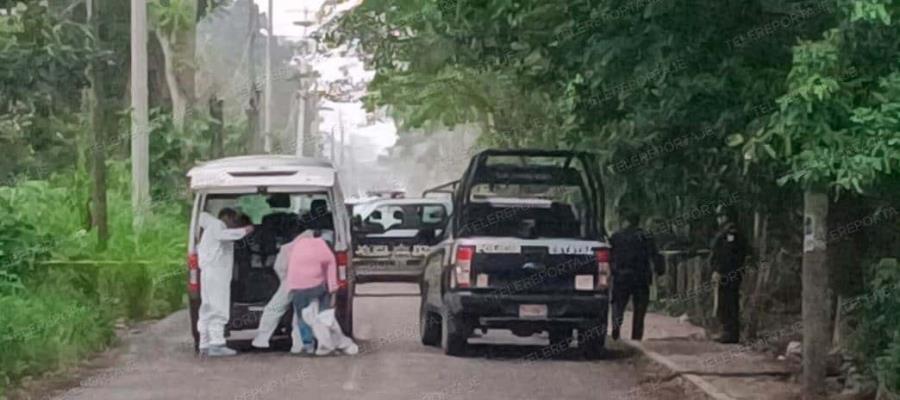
(61,297)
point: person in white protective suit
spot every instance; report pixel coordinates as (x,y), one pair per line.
(215,254)
(281,299)
(312,280)
(278,305)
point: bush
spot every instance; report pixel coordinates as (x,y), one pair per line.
(54,313)
(45,330)
(877,337)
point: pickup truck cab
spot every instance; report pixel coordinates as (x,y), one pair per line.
(524,251)
(282,196)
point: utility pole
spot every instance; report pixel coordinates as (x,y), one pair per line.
(303,141)
(140,141)
(267,129)
(253,103)
(343,137)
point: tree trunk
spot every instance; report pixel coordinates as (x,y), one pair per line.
(99,101)
(762,276)
(816,296)
(177,95)
(186,71)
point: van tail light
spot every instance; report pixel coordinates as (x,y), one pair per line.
(193,273)
(462,272)
(603,268)
(342,260)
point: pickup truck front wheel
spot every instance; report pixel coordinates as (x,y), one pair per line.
(454,334)
(429,326)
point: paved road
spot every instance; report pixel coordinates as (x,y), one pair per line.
(159,364)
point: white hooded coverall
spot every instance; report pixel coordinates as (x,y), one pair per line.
(215,254)
(279,303)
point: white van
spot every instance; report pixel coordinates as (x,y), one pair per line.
(282,196)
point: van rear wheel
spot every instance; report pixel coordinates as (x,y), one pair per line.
(344,309)
(194,310)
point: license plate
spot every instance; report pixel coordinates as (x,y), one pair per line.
(584,282)
(532,311)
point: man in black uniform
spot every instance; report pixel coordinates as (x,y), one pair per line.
(727,260)
(632,252)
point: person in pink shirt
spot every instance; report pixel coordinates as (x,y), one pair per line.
(311,275)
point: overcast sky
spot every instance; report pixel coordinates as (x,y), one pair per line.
(364,142)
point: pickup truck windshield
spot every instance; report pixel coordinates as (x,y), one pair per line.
(405,220)
(528,197)
(526,211)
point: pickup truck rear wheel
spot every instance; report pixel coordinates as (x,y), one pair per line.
(560,335)
(593,341)
(454,334)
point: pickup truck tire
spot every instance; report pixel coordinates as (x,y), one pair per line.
(560,335)
(429,326)
(454,334)
(593,341)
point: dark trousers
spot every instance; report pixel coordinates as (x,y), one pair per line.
(729,312)
(639,293)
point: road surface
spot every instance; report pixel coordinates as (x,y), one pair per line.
(159,363)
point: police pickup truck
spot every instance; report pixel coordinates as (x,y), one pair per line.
(524,250)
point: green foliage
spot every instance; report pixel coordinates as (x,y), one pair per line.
(56,313)
(44,59)
(46,330)
(836,125)
(173,16)
(877,337)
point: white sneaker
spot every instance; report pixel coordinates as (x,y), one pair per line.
(303,349)
(221,351)
(322,351)
(351,350)
(260,343)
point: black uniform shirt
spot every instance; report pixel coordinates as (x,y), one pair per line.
(632,251)
(728,250)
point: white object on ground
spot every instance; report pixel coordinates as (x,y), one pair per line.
(794,348)
(327,331)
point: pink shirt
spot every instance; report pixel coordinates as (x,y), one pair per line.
(310,264)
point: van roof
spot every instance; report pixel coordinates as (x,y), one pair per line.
(248,172)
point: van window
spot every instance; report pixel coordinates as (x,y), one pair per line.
(311,207)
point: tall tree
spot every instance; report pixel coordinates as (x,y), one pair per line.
(174,25)
(99,107)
